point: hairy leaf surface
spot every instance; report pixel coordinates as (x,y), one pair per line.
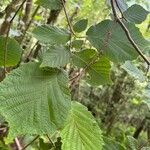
(34,101)
(99,68)
(81,131)
(136,14)
(56,56)
(108,36)
(13,53)
(51,35)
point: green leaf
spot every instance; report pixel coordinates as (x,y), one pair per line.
(56,56)
(81,25)
(111,144)
(81,131)
(136,14)
(147,95)
(43,145)
(34,101)
(133,71)
(108,36)
(51,35)
(132,143)
(3,147)
(13,52)
(50,4)
(83,58)
(99,71)
(77,44)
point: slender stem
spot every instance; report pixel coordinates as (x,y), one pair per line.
(128,33)
(30,143)
(7,36)
(51,142)
(68,20)
(120,10)
(18,144)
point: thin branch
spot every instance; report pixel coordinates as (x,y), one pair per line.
(19,147)
(120,10)
(51,142)
(68,20)
(30,143)
(7,36)
(128,33)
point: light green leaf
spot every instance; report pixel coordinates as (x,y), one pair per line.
(56,56)
(81,25)
(81,131)
(50,4)
(99,71)
(133,71)
(108,36)
(77,44)
(51,35)
(13,52)
(136,14)
(82,59)
(34,101)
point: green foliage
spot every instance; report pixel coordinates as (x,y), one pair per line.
(13,53)
(51,35)
(35,99)
(99,70)
(132,143)
(112,145)
(135,14)
(108,36)
(77,44)
(43,145)
(81,131)
(56,56)
(50,4)
(134,71)
(81,25)
(40,99)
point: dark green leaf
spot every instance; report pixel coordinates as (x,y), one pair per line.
(99,71)
(81,25)
(56,56)
(82,59)
(13,52)
(134,71)
(44,146)
(81,131)
(136,14)
(108,36)
(77,44)
(51,35)
(50,4)
(34,101)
